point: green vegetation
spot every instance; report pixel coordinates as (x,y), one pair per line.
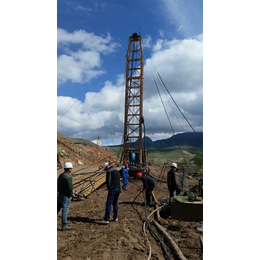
(158,156)
(63,154)
(173,154)
(198,160)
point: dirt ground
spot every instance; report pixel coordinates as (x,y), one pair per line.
(129,238)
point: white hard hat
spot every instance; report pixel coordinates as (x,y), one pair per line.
(105,165)
(174,165)
(68,165)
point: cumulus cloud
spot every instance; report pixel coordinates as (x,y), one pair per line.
(101,113)
(79,55)
(174,72)
(180,66)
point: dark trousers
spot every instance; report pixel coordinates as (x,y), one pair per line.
(112,198)
(149,194)
(171,190)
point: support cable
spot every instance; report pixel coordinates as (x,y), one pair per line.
(67,110)
(179,108)
(168,118)
(173,99)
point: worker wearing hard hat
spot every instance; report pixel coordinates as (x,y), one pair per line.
(171,179)
(113,187)
(65,193)
(148,186)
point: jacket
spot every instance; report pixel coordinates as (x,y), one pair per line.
(65,184)
(112,178)
(147,182)
(171,181)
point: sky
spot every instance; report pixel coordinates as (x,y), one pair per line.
(92,41)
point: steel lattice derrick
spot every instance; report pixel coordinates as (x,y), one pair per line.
(133,98)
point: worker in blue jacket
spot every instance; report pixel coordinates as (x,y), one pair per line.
(125,176)
(132,158)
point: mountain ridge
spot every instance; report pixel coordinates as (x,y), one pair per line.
(188,138)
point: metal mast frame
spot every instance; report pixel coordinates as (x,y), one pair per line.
(133,100)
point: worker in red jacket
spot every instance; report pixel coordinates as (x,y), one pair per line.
(148,186)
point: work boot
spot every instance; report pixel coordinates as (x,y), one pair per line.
(66,228)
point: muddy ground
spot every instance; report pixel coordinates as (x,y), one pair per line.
(128,238)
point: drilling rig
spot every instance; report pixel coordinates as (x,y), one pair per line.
(134,120)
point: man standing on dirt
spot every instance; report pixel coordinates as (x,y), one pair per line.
(148,186)
(65,193)
(125,176)
(113,187)
(171,179)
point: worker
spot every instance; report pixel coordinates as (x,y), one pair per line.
(113,187)
(148,186)
(171,179)
(65,193)
(125,176)
(132,158)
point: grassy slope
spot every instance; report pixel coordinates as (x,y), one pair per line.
(169,154)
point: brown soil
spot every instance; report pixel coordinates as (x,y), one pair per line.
(126,238)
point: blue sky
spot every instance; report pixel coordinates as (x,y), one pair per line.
(92,40)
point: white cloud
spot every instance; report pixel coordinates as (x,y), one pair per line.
(101,113)
(89,41)
(180,65)
(85,63)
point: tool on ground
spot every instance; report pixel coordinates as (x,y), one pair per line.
(137,196)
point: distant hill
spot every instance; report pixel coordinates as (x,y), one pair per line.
(189,139)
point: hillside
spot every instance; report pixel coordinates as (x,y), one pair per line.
(79,152)
(189,139)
